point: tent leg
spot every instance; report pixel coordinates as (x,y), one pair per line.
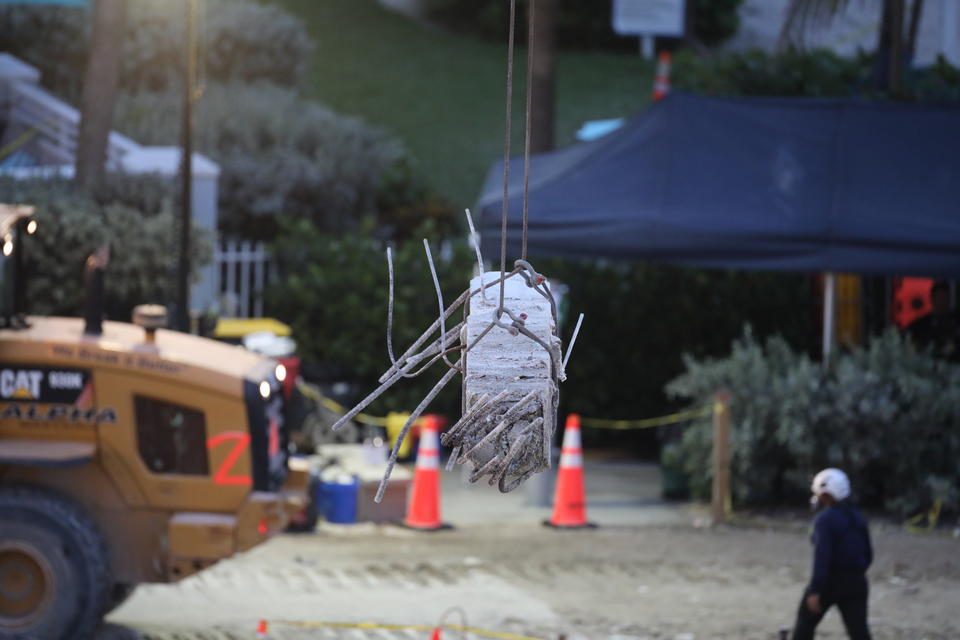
(829,314)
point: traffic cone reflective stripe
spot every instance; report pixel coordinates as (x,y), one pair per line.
(570,501)
(423,512)
(661,85)
(571,455)
(428,454)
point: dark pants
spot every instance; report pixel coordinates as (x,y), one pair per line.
(850,594)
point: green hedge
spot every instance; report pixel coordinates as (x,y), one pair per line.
(887,414)
(333,292)
(794,72)
(133,215)
(243,40)
(645,316)
(278,153)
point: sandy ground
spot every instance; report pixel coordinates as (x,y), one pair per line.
(650,571)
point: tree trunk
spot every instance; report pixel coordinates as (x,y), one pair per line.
(544,71)
(896,46)
(99,90)
(891,47)
(186,167)
(916,13)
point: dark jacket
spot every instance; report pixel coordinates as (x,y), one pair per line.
(842,548)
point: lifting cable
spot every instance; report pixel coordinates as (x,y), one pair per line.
(508,131)
(531,32)
(508,126)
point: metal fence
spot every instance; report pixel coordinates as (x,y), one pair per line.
(243,271)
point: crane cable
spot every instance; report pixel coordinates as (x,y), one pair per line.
(508,129)
(531,32)
(508,125)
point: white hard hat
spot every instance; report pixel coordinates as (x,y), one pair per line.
(832,481)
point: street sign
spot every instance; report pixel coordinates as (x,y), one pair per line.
(648,17)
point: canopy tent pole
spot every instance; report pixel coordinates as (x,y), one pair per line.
(829,313)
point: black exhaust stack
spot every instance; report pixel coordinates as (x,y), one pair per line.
(93,274)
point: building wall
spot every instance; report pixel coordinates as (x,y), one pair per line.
(761,20)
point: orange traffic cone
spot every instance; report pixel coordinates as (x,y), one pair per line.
(436,634)
(423,512)
(262,630)
(570,501)
(661,85)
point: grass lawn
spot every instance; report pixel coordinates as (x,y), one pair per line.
(444,94)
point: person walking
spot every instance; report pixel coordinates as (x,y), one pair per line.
(842,554)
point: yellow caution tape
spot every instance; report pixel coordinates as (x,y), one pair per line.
(362,418)
(647,423)
(402,627)
(488,634)
(12,147)
(593,423)
(393,422)
(336,407)
(913,525)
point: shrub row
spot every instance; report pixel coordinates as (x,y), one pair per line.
(333,292)
(241,40)
(887,414)
(278,153)
(134,216)
(794,72)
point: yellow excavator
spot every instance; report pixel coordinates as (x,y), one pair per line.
(128,453)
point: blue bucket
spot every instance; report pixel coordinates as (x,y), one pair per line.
(338,500)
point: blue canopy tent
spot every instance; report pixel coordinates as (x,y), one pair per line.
(749,183)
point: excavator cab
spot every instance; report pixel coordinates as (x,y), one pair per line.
(15,222)
(129,453)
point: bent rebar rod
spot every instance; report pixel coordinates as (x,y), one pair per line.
(406,427)
(433,327)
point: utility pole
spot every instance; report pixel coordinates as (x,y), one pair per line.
(893,44)
(100,81)
(544,70)
(186,168)
(896,46)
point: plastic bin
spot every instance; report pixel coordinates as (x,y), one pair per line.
(338,500)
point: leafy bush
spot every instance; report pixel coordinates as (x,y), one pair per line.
(143,241)
(714,21)
(647,315)
(579,24)
(333,292)
(242,40)
(887,414)
(794,72)
(278,153)
(53,39)
(938,82)
(791,73)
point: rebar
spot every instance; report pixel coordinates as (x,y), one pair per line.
(406,427)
